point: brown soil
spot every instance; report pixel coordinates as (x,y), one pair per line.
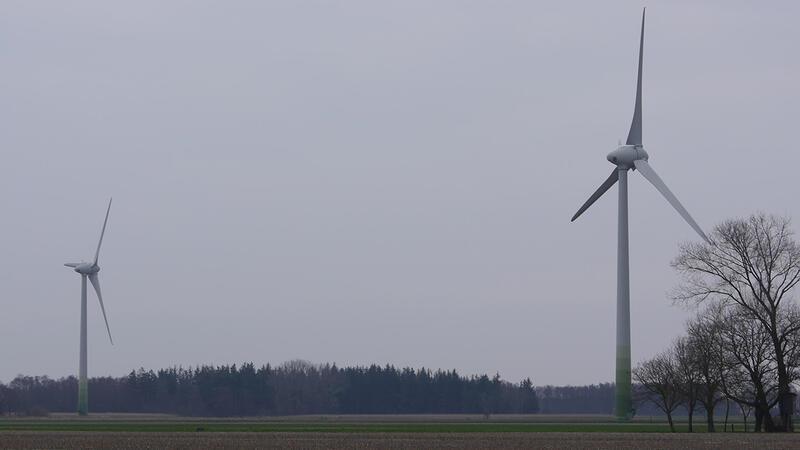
(143,440)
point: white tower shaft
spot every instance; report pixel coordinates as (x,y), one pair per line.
(623,370)
(83,387)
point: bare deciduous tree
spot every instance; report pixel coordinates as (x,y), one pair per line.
(753,264)
(748,373)
(704,339)
(688,377)
(658,381)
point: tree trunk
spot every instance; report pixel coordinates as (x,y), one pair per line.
(691,414)
(745,421)
(669,419)
(783,380)
(759,420)
(769,425)
(710,418)
(727,412)
(764,418)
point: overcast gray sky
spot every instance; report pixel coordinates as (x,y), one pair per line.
(363,181)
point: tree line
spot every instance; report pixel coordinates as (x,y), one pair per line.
(298,387)
(743,346)
(295,387)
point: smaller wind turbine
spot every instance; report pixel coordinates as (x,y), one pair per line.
(89,270)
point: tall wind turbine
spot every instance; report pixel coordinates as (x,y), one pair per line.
(89,270)
(630,156)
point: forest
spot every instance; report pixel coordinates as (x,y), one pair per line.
(295,387)
(299,387)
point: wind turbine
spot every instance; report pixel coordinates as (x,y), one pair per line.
(630,156)
(89,270)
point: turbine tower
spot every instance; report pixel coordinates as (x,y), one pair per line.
(89,270)
(630,156)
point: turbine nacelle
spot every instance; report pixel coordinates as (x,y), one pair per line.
(87,269)
(626,155)
(84,268)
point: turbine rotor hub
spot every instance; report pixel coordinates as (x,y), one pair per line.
(625,155)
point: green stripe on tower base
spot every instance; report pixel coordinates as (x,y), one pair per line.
(83,397)
(623,407)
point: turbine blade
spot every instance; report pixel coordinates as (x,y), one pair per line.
(598,193)
(651,176)
(635,134)
(97,253)
(96,283)
(73,265)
